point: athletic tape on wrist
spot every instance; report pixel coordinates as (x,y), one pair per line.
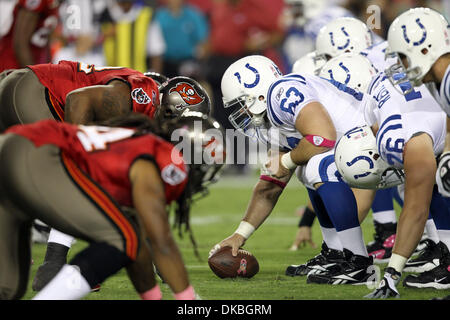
(186,294)
(319,141)
(152,294)
(287,162)
(397,262)
(273,180)
(245,229)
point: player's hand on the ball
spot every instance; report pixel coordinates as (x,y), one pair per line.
(235,241)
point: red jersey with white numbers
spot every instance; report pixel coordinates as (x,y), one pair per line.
(106,154)
(66,76)
(47,22)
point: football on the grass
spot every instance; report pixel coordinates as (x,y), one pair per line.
(224,265)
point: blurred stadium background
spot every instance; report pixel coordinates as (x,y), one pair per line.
(200,38)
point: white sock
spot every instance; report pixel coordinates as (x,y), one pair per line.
(431,231)
(387,216)
(60,238)
(352,239)
(68,284)
(330,237)
(444,236)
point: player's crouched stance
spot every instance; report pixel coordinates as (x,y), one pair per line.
(403,141)
(78,179)
(304,124)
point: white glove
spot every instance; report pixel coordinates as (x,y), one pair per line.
(387,287)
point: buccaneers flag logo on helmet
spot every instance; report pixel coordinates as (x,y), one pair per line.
(188,93)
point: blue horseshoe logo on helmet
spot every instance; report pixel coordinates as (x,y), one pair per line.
(356,176)
(424,34)
(346,43)
(346,71)
(257,77)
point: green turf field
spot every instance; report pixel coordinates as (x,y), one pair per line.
(216,217)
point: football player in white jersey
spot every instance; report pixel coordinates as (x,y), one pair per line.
(410,133)
(356,71)
(308,113)
(420,39)
(347,36)
(350,35)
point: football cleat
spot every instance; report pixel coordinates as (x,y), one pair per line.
(355,269)
(437,278)
(381,248)
(320,263)
(427,259)
(421,246)
(96,288)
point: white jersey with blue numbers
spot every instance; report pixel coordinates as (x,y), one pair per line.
(289,94)
(401,116)
(377,55)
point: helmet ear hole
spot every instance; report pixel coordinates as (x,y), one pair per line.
(424,51)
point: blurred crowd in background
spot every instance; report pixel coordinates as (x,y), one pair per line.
(200,38)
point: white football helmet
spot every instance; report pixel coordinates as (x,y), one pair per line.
(245,85)
(358,161)
(310,63)
(342,35)
(353,70)
(422,36)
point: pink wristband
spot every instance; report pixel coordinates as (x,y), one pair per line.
(319,141)
(272,180)
(186,294)
(152,294)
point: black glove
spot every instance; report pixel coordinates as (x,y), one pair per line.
(443,174)
(386,288)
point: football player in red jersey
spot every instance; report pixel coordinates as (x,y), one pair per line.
(27,39)
(81,94)
(103,169)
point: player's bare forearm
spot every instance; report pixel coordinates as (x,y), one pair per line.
(149,200)
(305,151)
(23,31)
(264,198)
(78,109)
(420,169)
(141,271)
(97,103)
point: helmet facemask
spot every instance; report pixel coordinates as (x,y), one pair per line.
(402,78)
(243,119)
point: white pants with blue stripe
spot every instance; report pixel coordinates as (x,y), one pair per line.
(320,168)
